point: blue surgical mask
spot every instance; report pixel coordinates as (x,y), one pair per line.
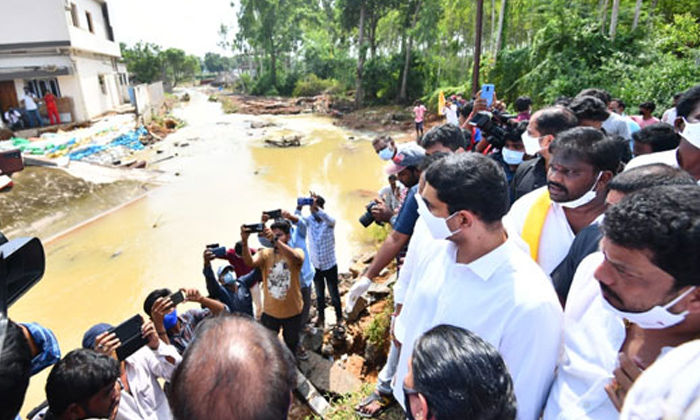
(170,320)
(512,157)
(386,153)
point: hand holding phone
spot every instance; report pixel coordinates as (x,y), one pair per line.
(487,93)
(177,297)
(130,336)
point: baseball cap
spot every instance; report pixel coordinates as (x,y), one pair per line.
(404,158)
(92,333)
(229,276)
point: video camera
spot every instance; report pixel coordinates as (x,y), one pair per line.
(494,126)
(22,265)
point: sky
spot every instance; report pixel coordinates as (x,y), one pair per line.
(192,26)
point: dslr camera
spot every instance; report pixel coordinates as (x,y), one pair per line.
(493,125)
(367,219)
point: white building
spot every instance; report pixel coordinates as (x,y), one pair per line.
(65,46)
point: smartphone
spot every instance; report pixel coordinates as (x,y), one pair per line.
(129,334)
(255,227)
(305,201)
(177,297)
(211,246)
(11,161)
(274,214)
(487,93)
(219,252)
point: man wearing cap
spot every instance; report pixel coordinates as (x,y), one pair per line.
(687,124)
(142,396)
(226,287)
(406,167)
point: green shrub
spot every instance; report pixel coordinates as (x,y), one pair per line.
(312,85)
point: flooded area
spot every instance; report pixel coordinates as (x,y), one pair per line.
(223,177)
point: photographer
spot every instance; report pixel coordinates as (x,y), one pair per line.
(142,396)
(281,281)
(226,287)
(179,329)
(322,245)
(510,156)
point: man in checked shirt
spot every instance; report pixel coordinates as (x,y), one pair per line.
(321,228)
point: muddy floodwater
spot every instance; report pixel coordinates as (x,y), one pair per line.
(102,271)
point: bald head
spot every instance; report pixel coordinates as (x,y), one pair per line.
(235,369)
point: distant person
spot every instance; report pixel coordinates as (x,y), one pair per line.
(235,369)
(232,291)
(178,329)
(419,118)
(454,374)
(392,194)
(31,109)
(687,124)
(51,108)
(590,112)
(235,259)
(14,119)
(511,155)
(450,113)
(655,138)
(618,106)
(614,124)
(523,106)
(283,302)
(669,116)
(83,385)
(646,119)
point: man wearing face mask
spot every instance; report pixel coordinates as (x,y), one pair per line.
(583,160)
(511,155)
(631,302)
(687,124)
(544,125)
(480,280)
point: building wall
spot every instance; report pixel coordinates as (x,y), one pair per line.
(88,70)
(32,21)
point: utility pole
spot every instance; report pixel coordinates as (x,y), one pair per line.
(477,46)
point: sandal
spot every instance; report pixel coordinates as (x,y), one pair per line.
(385,402)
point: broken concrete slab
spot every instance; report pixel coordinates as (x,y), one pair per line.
(329,376)
(310,394)
(352,314)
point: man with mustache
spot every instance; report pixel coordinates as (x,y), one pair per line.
(583,161)
(631,302)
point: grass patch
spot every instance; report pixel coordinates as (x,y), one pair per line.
(376,234)
(344,407)
(228,106)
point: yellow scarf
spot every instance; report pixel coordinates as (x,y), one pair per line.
(534,223)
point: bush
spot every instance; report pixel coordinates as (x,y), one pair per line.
(312,85)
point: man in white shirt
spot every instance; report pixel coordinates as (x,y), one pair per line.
(670,114)
(142,396)
(629,303)
(479,280)
(546,220)
(687,155)
(31,108)
(450,112)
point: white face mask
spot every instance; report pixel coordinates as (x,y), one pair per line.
(586,198)
(436,225)
(512,157)
(691,132)
(532,144)
(655,318)
(386,153)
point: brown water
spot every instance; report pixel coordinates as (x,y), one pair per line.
(102,271)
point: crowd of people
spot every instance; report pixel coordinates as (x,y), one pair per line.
(546,260)
(28,115)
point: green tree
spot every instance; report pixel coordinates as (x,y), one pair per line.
(143,61)
(178,66)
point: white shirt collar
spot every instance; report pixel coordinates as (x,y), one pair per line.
(486,265)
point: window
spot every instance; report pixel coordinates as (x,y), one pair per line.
(103,86)
(89,21)
(39,87)
(74,15)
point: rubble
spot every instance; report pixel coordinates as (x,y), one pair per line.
(293,141)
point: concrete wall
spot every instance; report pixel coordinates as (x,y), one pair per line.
(33,21)
(149,99)
(88,70)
